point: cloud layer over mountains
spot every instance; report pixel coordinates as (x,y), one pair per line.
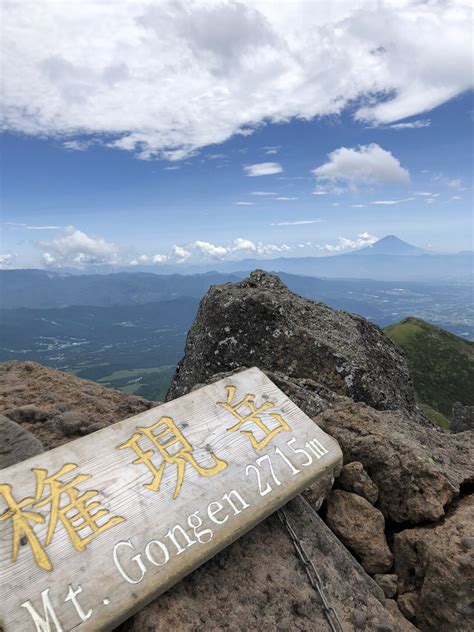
(168,78)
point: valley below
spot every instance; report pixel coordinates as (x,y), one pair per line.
(134,347)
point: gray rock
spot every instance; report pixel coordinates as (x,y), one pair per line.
(259,322)
(98,425)
(16,443)
(403,623)
(408,604)
(388,583)
(462,418)
(353,478)
(70,422)
(361,528)
(27,413)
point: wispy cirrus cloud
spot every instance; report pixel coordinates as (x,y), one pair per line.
(299,222)
(263,169)
(392,202)
(29,227)
(418,124)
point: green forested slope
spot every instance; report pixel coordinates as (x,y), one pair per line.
(441,366)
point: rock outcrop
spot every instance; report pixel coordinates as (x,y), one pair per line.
(417,470)
(45,402)
(259,322)
(435,568)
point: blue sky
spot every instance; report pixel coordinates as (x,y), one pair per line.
(76,193)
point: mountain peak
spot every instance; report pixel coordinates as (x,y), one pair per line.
(391,245)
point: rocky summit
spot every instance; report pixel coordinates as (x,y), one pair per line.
(259,322)
(392,540)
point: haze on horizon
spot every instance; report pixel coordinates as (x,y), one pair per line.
(196,133)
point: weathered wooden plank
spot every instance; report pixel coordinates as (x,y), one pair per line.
(92,531)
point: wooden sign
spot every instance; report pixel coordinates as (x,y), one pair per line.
(92,531)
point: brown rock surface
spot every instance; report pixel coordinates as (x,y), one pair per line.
(37,398)
(361,528)
(353,478)
(435,567)
(417,470)
(388,583)
(403,623)
(258,583)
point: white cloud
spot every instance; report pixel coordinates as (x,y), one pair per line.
(6,261)
(300,222)
(210,250)
(272,150)
(263,169)
(262,193)
(392,202)
(239,247)
(456,197)
(412,125)
(28,227)
(76,248)
(167,78)
(172,168)
(245,203)
(456,184)
(180,253)
(286,199)
(160,258)
(346,243)
(423,193)
(366,164)
(358,205)
(78,145)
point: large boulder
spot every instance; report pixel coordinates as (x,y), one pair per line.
(435,568)
(259,322)
(45,402)
(417,470)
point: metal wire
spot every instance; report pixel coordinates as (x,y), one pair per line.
(312,573)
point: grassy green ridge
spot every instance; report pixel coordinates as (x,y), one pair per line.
(441,366)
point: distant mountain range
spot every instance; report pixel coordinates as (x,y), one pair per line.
(392,245)
(388,259)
